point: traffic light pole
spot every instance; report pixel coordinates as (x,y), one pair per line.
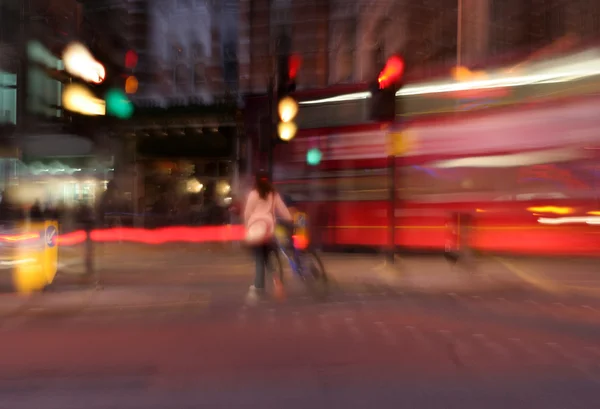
(392,213)
(271,130)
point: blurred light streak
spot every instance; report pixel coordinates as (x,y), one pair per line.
(570,220)
(514,160)
(582,65)
(340,98)
(551,209)
(18,261)
(79,61)
(77,98)
(71,239)
(157,236)
(19,237)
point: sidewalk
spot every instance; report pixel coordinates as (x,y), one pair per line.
(107,256)
(204,266)
(179,278)
(82,300)
(177,289)
(428,274)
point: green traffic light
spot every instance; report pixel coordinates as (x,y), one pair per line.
(117,104)
(314,156)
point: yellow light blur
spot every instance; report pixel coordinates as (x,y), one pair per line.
(223,188)
(594,213)
(80,63)
(287,130)
(77,98)
(288,109)
(131,85)
(194,186)
(551,209)
(463,74)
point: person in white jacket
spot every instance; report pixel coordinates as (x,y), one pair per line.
(263,204)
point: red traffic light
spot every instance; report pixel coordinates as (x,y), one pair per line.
(392,72)
(131,59)
(294,63)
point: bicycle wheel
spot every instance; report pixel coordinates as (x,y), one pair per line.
(314,274)
(275,266)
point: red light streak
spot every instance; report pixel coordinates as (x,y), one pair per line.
(157,236)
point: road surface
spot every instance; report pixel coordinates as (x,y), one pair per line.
(381,348)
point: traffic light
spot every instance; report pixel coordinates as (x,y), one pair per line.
(131,83)
(131,59)
(118,105)
(383,90)
(314,156)
(288,71)
(287,107)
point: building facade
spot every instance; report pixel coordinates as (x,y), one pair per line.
(347,42)
(341,42)
(187,49)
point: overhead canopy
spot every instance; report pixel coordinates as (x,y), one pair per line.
(55,145)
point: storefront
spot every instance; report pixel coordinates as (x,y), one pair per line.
(58,182)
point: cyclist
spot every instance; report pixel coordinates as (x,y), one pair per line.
(262,206)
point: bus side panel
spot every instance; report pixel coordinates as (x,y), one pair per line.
(499,228)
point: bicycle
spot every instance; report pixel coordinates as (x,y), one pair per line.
(303,260)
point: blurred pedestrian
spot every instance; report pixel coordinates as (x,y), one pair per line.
(262,206)
(36,213)
(10,211)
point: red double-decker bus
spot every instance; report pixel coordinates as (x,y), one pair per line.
(518,149)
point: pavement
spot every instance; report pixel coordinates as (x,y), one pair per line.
(89,299)
(143,276)
(423,272)
(566,275)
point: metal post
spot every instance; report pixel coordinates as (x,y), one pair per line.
(392,212)
(270,130)
(459,17)
(135,182)
(89,250)
(22,68)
